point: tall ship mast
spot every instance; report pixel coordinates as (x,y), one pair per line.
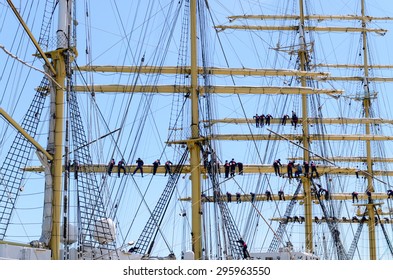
(196,130)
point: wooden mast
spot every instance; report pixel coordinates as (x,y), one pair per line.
(305,137)
(193,146)
(367,105)
(57,163)
(58,59)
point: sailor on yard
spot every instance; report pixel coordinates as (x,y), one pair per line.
(238,197)
(168,165)
(240,167)
(256,117)
(268,118)
(306,168)
(252,197)
(290,168)
(226,167)
(110,166)
(139,166)
(298,171)
(121,165)
(276,166)
(229,197)
(155,166)
(294,120)
(284,119)
(355,196)
(369,196)
(314,169)
(268,195)
(281,195)
(232,163)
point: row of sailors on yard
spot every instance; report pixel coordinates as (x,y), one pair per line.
(321,191)
(291,166)
(139,166)
(261,120)
(214,165)
(252,195)
(355,196)
(229,167)
(300,219)
(345,219)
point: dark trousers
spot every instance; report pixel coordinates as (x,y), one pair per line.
(121,168)
(276,169)
(138,168)
(167,170)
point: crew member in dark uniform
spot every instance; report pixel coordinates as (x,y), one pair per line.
(238,197)
(139,166)
(276,165)
(268,118)
(121,165)
(110,166)
(355,196)
(289,169)
(240,167)
(261,120)
(369,196)
(314,169)
(284,119)
(226,167)
(155,166)
(294,120)
(168,165)
(252,197)
(268,195)
(232,163)
(256,117)
(229,197)
(281,195)
(306,168)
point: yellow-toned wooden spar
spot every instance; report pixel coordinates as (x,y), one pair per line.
(208,70)
(247,169)
(203,90)
(356,78)
(319,220)
(25,134)
(347,159)
(355,66)
(296,27)
(294,137)
(309,17)
(275,197)
(320,76)
(278,120)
